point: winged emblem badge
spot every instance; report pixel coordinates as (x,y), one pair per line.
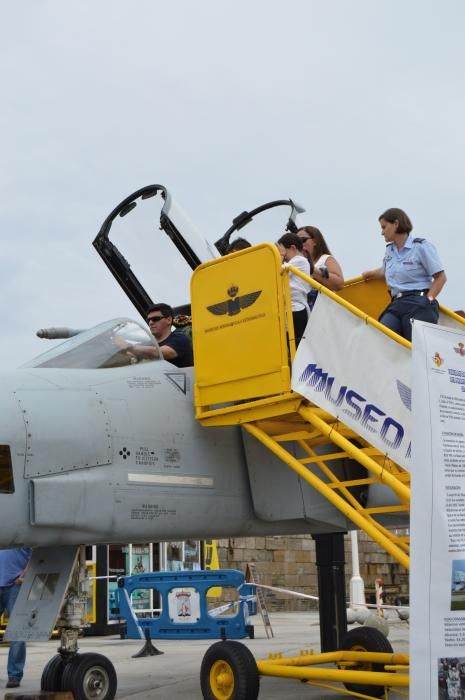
(405,394)
(235,303)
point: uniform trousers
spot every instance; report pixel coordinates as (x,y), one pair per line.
(399,314)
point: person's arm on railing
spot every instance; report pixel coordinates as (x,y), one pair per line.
(350,307)
(377,274)
(330,276)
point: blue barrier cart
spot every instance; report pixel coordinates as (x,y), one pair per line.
(184,614)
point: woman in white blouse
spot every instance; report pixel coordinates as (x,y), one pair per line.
(291,250)
(326,269)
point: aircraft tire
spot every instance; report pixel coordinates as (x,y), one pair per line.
(88,676)
(229,672)
(366,639)
(52,673)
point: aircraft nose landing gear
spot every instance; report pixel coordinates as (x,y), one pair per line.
(88,676)
(52,673)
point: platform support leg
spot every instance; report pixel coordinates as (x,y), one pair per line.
(330,561)
(148,649)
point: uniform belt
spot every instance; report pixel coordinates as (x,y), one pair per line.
(410,293)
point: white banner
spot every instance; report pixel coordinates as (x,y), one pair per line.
(357,374)
(437,582)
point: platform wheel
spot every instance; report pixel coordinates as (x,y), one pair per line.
(89,676)
(52,673)
(229,672)
(366,639)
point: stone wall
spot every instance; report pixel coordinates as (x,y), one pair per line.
(289,562)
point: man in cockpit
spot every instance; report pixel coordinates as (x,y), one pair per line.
(174,346)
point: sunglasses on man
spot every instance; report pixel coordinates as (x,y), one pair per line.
(154,319)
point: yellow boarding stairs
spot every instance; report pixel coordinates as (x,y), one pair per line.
(244,356)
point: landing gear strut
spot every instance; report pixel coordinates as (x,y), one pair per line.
(88,676)
(330,561)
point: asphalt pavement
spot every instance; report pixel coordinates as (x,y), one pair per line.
(175,674)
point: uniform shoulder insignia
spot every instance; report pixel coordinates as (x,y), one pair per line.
(419,240)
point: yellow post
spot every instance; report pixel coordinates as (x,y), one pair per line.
(355,516)
(210,554)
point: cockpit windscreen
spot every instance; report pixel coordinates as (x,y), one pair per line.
(109,344)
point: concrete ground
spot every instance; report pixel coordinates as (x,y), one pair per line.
(175,674)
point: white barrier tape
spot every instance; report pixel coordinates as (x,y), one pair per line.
(377,605)
(235,603)
(214,612)
(313,597)
(285,590)
(306,596)
(98,578)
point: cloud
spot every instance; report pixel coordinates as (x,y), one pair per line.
(347,107)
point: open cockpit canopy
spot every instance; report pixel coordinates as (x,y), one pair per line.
(134,225)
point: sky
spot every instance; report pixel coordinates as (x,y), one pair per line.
(348,107)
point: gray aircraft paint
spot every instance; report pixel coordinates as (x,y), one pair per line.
(113,455)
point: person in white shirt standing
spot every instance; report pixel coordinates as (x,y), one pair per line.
(326,269)
(290,248)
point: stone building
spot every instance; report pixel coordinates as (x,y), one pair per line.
(289,562)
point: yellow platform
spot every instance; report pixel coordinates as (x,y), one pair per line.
(244,348)
(244,353)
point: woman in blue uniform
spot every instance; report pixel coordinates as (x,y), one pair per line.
(414,275)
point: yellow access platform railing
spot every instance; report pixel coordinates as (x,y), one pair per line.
(244,347)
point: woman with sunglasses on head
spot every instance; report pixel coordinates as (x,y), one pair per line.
(325,268)
(413,272)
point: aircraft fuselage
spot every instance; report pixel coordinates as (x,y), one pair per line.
(112,455)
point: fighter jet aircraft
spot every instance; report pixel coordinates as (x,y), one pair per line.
(98,446)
